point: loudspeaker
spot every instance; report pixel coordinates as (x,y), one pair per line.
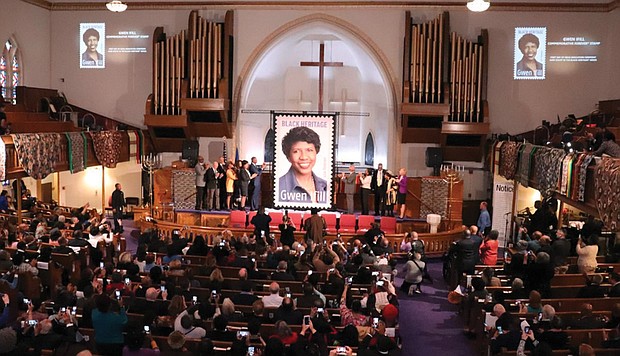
(434,158)
(190,151)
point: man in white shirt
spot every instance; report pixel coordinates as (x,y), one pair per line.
(273,300)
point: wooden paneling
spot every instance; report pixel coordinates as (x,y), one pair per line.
(421,135)
(166,120)
(42,126)
(195,104)
(465,128)
(441,110)
(30,98)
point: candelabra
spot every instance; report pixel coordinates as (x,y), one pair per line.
(451,174)
(150,163)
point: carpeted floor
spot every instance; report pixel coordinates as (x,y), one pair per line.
(429,324)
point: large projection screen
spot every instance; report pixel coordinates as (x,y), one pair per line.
(92,45)
(303,160)
(530,53)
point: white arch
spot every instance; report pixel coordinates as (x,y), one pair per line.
(347,32)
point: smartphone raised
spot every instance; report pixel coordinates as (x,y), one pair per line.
(306,319)
(147,329)
(375,322)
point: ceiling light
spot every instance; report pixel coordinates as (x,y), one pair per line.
(118,6)
(478,5)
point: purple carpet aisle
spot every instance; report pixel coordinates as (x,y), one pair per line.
(429,324)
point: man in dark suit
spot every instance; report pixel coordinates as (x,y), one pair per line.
(465,254)
(245,297)
(221,170)
(244,182)
(378,185)
(255,171)
(614,279)
(288,313)
(212,186)
(118,206)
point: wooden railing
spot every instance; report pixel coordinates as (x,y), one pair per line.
(435,244)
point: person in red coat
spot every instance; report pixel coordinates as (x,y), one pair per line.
(488,249)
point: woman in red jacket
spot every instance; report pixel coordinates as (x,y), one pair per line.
(488,249)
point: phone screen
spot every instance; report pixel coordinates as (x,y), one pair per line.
(307,320)
(147,329)
(375,322)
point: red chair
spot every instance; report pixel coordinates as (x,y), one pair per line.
(330,220)
(237,219)
(276,219)
(347,223)
(388,224)
(297,219)
(364,221)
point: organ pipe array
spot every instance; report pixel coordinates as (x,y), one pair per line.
(445,68)
(190,64)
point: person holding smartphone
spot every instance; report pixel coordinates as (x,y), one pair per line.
(287,230)
(354,315)
(108,325)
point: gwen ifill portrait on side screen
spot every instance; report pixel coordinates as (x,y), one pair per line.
(528,66)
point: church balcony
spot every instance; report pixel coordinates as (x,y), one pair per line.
(15,170)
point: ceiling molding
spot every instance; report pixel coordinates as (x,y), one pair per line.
(308,4)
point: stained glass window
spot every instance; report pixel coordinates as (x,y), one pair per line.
(10,70)
(3,75)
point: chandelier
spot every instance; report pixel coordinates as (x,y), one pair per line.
(118,6)
(478,5)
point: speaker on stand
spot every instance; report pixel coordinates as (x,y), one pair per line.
(190,151)
(434,159)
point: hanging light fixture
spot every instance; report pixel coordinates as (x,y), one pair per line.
(478,5)
(118,6)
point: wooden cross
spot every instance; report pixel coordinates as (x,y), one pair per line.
(321,64)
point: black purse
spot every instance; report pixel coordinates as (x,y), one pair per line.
(425,274)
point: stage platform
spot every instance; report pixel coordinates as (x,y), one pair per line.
(221,218)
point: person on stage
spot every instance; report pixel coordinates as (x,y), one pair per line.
(200,169)
(212,177)
(256,171)
(390,192)
(244,182)
(349,187)
(221,178)
(401,194)
(300,146)
(365,190)
(231,177)
(378,184)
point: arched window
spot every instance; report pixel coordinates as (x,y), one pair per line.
(369,151)
(10,70)
(270,143)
